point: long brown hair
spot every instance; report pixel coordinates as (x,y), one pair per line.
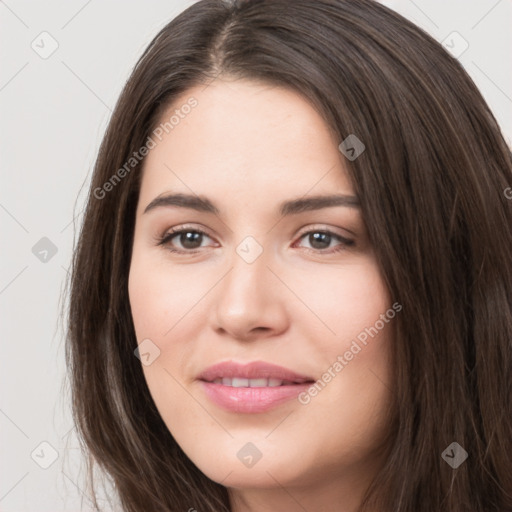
(431,183)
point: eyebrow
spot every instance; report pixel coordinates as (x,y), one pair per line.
(291,207)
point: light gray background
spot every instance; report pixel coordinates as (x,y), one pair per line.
(53,114)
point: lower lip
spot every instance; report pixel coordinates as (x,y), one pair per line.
(251,400)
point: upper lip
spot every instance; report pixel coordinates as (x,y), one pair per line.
(252,370)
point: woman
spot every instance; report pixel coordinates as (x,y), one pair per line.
(292,288)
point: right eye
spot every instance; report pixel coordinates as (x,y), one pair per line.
(189,238)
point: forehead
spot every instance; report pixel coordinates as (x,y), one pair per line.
(243,139)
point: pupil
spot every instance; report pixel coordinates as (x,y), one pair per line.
(189,238)
(321,238)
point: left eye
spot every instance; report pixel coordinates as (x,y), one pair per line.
(191,240)
(321,240)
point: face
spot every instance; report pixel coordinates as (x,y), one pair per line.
(239,278)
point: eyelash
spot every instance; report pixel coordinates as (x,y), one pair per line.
(169,235)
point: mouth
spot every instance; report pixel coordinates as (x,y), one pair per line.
(240,382)
(252,388)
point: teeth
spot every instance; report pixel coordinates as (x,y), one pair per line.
(256,383)
(238,382)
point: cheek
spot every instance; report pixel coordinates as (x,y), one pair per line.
(352,345)
(161,295)
(162,302)
(346,300)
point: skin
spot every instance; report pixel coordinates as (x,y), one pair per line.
(247,147)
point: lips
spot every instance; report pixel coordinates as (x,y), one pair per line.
(254,374)
(256,387)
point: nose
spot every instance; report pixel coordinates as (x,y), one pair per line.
(250,301)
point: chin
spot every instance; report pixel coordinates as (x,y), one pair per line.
(230,472)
